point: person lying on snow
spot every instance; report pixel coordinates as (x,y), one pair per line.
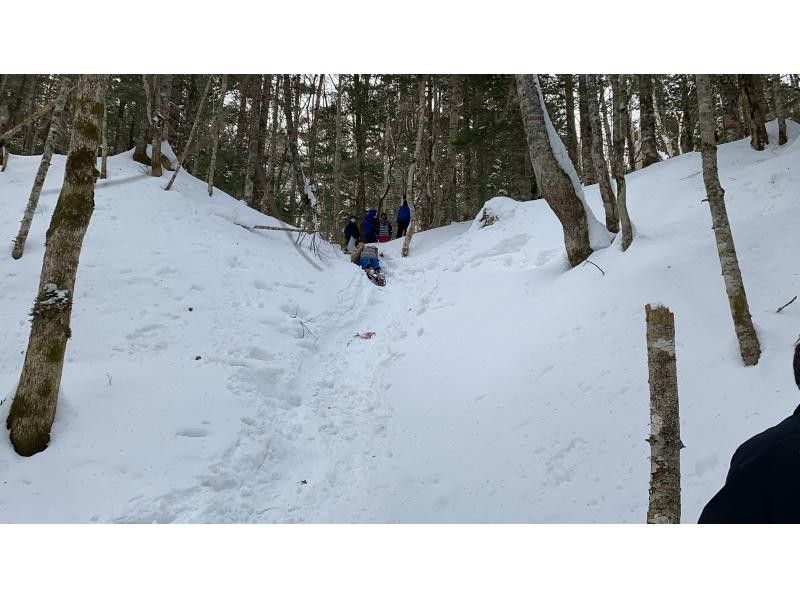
(763,483)
(366,256)
(384,229)
(370,234)
(351,234)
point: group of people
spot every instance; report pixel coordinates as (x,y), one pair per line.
(376,230)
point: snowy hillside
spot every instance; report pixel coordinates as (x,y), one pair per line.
(214,374)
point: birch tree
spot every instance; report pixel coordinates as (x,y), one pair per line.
(34,406)
(41,174)
(618,158)
(554,173)
(648,121)
(598,159)
(190,138)
(411,186)
(734,287)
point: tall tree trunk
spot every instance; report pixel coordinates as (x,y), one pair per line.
(618,158)
(313,130)
(665,424)
(687,122)
(252,138)
(241,121)
(28,104)
(587,164)
(780,110)
(273,152)
(41,174)
(156,122)
(411,189)
(337,157)
(291,133)
(146,121)
(648,121)
(604,112)
(734,287)
(104,142)
(216,128)
(119,137)
(754,114)
(729,95)
(628,124)
(559,188)
(665,138)
(449,191)
(599,161)
(572,135)
(190,138)
(34,406)
(359,133)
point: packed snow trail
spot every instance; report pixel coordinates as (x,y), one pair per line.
(215,376)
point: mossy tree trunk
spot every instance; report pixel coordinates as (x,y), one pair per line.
(555,184)
(734,287)
(216,128)
(41,174)
(598,159)
(664,505)
(620,113)
(648,121)
(33,409)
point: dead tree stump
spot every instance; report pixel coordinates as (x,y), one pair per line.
(665,442)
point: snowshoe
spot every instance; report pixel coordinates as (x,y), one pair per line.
(376,277)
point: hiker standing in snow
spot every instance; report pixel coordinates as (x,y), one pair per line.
(403,218)
(351,234)
(370,234)
(384,229)
(763,483)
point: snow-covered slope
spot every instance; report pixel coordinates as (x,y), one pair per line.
(500,385)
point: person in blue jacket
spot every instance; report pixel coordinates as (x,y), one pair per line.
(403,218)
(763,483)
(369,228)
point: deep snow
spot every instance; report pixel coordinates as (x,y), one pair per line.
(500,386)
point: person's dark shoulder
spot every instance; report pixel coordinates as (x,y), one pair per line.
(752,449)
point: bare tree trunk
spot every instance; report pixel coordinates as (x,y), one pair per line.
(604,111)
(337,157)
(648,121)
(28,104)
(780,110)
(729,95)
(119,137)
(291,132)
(216,128)
(734,287)
(252,138)
(628,124)
(411,190)
(618,158)
(665,138)
(34,407)
(41,174)
(449,191)
(156,121)
(360,134)
(272,190)
(104,142)
(665,424)
(572,134)
(687,126)
(140,151)
(599,161)
(186,148)
(754,114)
(314,129)
(557,185)
(587,164)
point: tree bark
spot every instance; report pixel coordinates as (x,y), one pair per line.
(41,174)
(411,190)
(572,135)
(156,121)
(359,133)
(291,133)
(216,128)
(648,121)
(33,409)
(598,160)
(587,164)
(271,191)
(449,191)
(780,110)
(186,148)
(252,137)
(618,158)
(314,129)
(665,424)
(628,124)
(104,142)
(754,114)
(665,138)
(734,287)
(687,121)
(557,186)
(337,156)
(731,121)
